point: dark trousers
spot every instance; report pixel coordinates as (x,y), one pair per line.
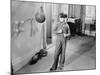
(59,56)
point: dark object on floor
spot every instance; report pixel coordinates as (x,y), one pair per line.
(43,53)
(12,69)
(38,56)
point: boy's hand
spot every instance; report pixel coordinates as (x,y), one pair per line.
(60,31)
(66,35)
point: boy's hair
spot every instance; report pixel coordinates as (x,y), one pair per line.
(65,15)
(61,15)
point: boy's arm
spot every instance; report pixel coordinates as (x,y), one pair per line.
(68,32)
(56,30)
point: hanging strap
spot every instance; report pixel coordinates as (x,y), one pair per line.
(44,41)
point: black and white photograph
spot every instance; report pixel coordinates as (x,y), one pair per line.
(52,37)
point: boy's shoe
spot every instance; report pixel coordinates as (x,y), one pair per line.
(52,70)
(59,68)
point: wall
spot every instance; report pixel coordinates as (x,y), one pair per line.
(74,10)
(55,11)
(24,46)
(64,8)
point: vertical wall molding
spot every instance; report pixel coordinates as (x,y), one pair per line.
(83,12)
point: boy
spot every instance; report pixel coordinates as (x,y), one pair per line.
(62,31)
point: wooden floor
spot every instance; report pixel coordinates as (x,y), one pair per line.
(80,55)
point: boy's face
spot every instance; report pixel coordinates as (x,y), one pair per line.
(61,19)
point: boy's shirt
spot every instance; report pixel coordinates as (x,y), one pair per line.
(62,28)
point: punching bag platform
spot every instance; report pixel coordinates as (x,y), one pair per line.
(40,18)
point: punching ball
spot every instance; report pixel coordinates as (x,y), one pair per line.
(39,16)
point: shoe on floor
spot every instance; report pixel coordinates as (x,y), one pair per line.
(52,70)
(59,68)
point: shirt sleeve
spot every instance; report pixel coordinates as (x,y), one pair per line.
(67,30)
